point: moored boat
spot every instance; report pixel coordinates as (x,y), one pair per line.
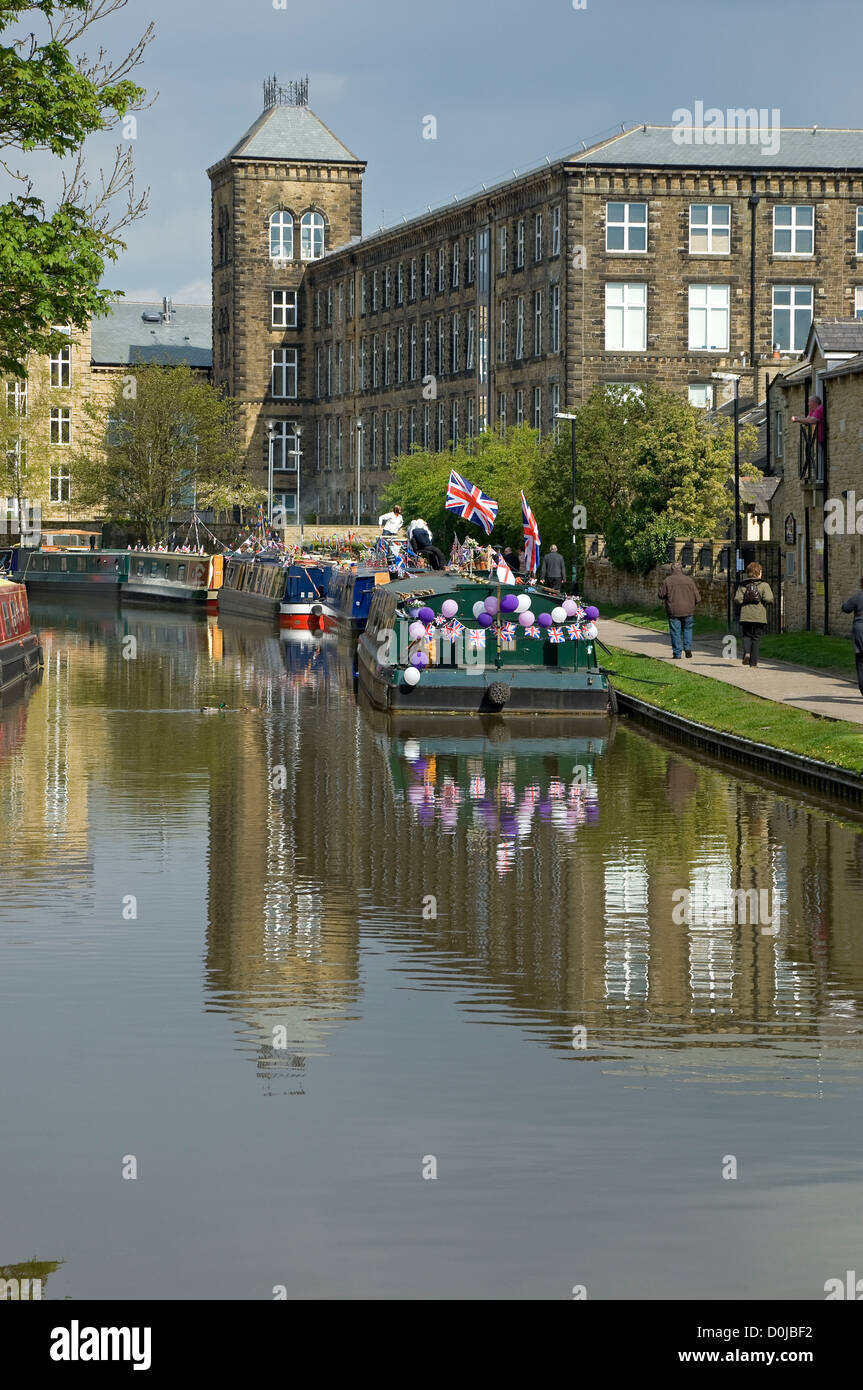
(349,595)
(89,573)
(20,649)
(451,644)
(192,579)
(276,590)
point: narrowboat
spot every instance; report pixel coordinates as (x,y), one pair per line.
(456,645)
(174,576)
(349,597)
(86,573)
(276,590)
(20,649)
(10,560)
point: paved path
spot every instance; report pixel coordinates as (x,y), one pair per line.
(798,686)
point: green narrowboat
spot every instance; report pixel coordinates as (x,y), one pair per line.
(88,574)
(454,644)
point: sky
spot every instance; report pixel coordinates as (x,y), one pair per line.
(509,83)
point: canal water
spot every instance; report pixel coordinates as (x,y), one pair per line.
(294,1005)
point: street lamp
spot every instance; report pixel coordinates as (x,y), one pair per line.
(271,435)
(564,415)
(298,430)
(359,468)
(732,376)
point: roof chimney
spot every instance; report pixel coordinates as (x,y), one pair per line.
(167,310)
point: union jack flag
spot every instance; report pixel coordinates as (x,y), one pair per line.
(574,631)
(531,538)
(454,628)
(470,502)
(507,632)
(534,631)
(504,573)
(477,637)
(555,634)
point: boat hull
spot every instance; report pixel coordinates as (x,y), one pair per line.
(20,658)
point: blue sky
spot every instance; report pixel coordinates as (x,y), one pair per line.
(508,83)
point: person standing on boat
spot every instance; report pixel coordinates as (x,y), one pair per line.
(391,522)
(753,597)
(680,595)
(553,572)
(854,605)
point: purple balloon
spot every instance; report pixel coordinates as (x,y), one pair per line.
(509,603)
(571,607)
(544,620)
(491,604)
(426,615)
(419,659)
(485,620)
(526,618)
(591,613)
(413,613)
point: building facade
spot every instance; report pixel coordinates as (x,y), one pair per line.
(638,259)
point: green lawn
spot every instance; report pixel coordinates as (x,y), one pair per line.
(733,711)
(835,655)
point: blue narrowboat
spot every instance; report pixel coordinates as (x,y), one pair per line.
(268,587)
(349,597)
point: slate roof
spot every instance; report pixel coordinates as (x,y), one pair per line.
(652,146)
(291,132)
(837,335)
(123,336)
(757,492)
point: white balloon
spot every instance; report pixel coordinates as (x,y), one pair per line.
(591,630)
(523,603)
(558,615)
(478,608)
(412,676)
(412,750)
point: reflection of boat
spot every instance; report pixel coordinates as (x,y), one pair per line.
(267,587)
(497,778)
(451,644)
(20,649)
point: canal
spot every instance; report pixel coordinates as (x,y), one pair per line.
(294,1006)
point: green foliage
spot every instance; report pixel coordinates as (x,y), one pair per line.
(51,100)
(162,437)
(650,467)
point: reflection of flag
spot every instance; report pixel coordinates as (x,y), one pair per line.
(531,538)
(477,637)
(477,788)
(556,789)
(507,632)
(504,573)
(555,634)
(470,502)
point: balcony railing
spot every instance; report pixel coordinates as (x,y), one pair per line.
(811,456)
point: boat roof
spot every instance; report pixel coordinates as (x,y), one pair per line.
(436,582)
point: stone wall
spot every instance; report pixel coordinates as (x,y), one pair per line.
(705,560)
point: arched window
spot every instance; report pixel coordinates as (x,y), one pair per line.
(311,236)
(281,236)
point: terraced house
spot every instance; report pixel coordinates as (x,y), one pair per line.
(640,258)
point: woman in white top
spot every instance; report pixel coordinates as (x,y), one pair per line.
(391,522)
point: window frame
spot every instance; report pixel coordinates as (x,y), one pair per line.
(629,225)
(794,229)
(710,229)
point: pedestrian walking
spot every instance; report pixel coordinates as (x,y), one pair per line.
(680,595)
(553,571)
(753,597)
(854,605)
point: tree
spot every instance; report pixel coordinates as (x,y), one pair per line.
(52,98)
(501,464)
(161,440)
(650,467)
(25,436)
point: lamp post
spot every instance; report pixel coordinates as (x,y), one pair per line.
(563,415)
(359,469)
(732,376)
(298,454)
(271,435)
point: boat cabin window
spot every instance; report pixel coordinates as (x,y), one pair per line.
(140,566)
(181,572)
(63,562)
(154,568)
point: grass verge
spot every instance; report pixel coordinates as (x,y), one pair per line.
(734,711)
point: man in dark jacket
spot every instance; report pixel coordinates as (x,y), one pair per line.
(854,605)
(680,594)
(553,571)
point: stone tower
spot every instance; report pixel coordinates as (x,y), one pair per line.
(285,195)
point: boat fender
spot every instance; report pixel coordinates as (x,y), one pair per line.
(498,693)
(317,610)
